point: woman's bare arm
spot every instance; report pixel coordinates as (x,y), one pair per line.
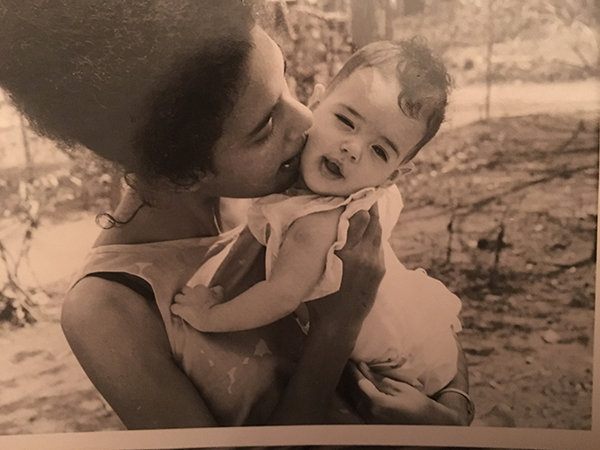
(335,321)
(386,401)
(462,411)
(121,343)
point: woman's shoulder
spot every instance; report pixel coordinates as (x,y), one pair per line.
(93,297)
(95,306)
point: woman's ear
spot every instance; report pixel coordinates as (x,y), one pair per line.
(202,178)
(317,96)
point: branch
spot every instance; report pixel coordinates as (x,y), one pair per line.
(324,16)
(581,56)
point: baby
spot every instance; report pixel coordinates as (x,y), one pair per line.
(385,104)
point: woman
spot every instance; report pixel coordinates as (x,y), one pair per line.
(190,97)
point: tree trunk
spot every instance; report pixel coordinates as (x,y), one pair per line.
(488,59)
(389,21)
(364,23)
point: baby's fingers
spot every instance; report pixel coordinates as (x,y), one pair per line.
(183,300)
(186,290)
(179,298)
(179,309)
(218,292)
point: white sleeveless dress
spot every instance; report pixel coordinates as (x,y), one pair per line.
(409,333)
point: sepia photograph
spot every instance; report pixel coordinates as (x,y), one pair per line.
(160,160)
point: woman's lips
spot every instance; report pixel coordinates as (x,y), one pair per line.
(293,164)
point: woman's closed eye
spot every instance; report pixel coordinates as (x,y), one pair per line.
(265,132)
(343,119)
(380,152)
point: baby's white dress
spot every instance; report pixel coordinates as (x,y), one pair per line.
(409,333)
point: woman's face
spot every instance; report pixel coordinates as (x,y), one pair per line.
(259,150)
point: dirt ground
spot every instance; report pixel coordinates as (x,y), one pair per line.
(504,213)
(42,387)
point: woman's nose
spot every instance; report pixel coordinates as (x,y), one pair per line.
(300,119)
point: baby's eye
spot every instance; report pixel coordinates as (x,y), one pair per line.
(379,151)
(345,121)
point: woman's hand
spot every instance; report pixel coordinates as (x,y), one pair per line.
(335,321)
(383,400)
(362,257)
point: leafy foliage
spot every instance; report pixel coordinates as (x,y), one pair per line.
(534,40)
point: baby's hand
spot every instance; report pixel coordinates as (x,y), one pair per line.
(192,304)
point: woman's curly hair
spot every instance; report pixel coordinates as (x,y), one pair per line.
(144,83)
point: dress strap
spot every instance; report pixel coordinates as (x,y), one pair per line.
(136,284)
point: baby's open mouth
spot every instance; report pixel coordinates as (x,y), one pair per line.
(332,168)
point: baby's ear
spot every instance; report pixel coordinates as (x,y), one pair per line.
(407,168)
(398,173)
(316,96)
(395,176)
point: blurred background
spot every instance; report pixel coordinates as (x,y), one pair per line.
(502,207)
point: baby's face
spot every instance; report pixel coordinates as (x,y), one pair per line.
(359,136)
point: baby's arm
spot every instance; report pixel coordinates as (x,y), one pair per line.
(299,266)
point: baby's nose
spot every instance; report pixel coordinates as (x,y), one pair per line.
(352,150)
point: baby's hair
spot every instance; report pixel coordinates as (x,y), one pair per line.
(424,82)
